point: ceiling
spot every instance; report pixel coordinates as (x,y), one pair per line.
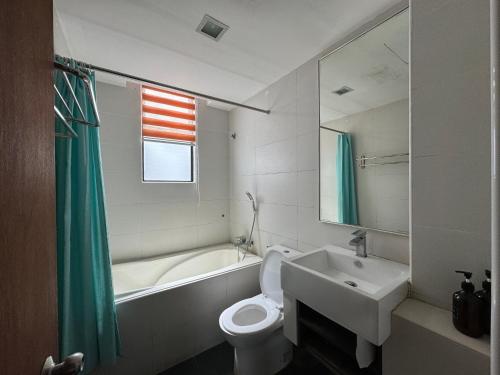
(375,66)
(156,39)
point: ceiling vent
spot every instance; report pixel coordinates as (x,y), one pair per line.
(212,28)
(343,90)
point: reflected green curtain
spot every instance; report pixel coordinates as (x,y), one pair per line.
(346,182)
(87,318)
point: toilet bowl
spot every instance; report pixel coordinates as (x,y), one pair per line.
(253,326)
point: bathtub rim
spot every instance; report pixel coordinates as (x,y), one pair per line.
(219,246)
(186,281)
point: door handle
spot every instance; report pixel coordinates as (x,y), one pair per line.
(71,365)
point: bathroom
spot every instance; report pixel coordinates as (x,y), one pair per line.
(243,166)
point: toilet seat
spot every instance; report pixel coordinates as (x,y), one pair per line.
(251,316)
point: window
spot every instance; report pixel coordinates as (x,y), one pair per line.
(168,136)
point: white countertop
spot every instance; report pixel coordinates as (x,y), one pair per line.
(439,321)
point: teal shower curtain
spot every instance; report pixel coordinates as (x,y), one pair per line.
(346,182)
(87,318)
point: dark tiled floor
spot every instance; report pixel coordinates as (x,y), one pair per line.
(219,361)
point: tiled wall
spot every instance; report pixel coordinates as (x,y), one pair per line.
(276,158)
(148,219)
(383,192)
(450,145)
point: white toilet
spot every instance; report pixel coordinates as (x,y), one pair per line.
(254,325)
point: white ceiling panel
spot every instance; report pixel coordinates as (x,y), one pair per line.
(157,39)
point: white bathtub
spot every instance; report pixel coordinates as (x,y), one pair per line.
(134,278)
(168,307)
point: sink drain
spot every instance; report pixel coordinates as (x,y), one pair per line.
(351,283)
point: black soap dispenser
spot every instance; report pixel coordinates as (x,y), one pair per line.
(467,308)
(485,296)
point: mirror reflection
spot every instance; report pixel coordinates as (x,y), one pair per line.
(364,130)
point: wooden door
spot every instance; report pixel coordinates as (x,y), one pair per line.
(28,306)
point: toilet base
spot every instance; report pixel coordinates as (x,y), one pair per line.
(265,358)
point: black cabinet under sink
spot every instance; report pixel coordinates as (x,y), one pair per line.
(330,344)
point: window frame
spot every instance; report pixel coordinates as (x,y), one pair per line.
(193,146)
(192,154)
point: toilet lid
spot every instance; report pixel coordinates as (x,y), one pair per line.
(270,272)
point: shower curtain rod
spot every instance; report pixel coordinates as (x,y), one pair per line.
(171,87)
(332,130)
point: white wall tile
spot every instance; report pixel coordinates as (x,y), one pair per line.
(121,156)
(450,145)
(124,219)
(212,148)
(267,239)
(214,211)
(307,97)
(238,229)
(121,187)
(157,193)
(388,246)
(211,119)
(125,247)
(159,216)
(278,219)
(468,133)
(288,212)
(434,277)
(212,234)
(241,212)
(119,100)
(149,219)
(314,232)
(214,183)
(279,188)
(448,38)
(305,247)
(276,157)
(119,128)
(168,240)
(242,122)
(280,125)
(307,188)
(308,151)
(242,160)
(241,184)
(452,191)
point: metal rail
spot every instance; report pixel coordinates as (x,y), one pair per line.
(171,87)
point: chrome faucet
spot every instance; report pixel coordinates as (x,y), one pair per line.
(360,242)
(239,242)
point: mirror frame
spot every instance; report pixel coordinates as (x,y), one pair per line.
(358,33)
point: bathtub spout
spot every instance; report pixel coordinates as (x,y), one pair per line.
(239,242)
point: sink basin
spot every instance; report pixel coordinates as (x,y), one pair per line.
(357,293)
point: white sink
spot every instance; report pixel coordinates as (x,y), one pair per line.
(357,293)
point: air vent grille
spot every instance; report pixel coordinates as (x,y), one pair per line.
(343,90)
(212,28)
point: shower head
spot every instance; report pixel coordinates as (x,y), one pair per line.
(250,196)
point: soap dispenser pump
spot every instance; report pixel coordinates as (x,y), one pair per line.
(485,296)
(467,308)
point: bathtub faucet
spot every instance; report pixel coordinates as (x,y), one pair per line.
(239,240)
(241,244)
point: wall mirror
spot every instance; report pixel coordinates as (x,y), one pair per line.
(364,129)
